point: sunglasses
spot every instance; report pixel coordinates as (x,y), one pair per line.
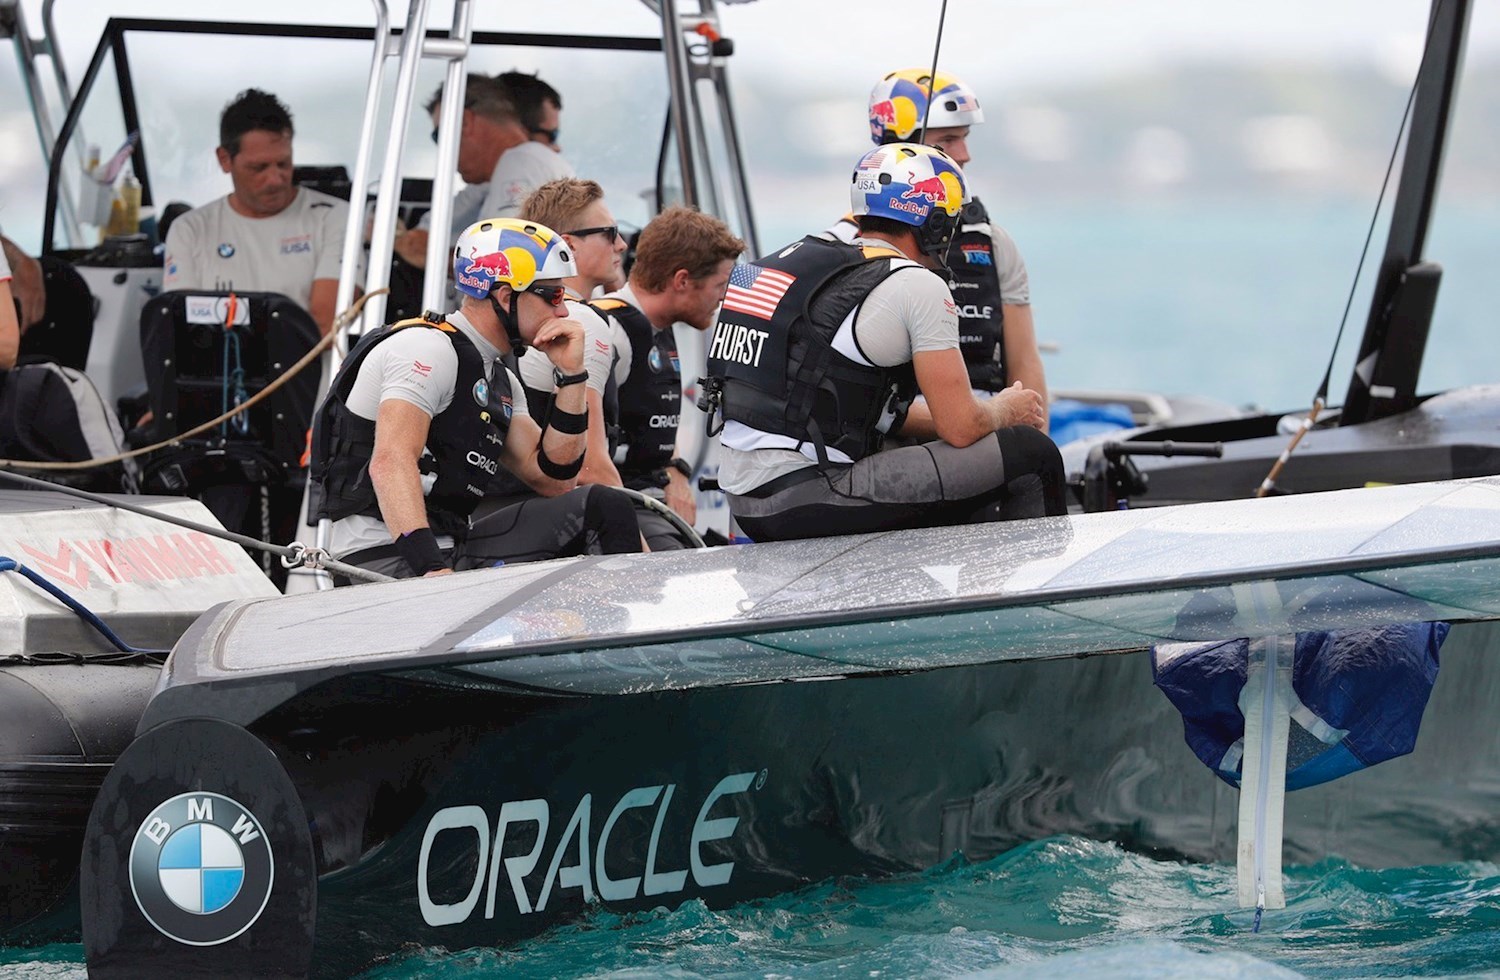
(549,134)
(551,295)
(611,232)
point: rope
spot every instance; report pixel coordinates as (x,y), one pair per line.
(82,611)
(651,503)
(294,555)
(340,323)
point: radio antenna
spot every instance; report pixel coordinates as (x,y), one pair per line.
(932,76)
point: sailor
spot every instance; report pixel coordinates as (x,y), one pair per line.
(598,250)
(424,412)
(986,271)
(682,264)
(499,156)
(818,352)
(539,106)
(267,234)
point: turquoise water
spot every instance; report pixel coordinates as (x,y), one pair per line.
(1063,906)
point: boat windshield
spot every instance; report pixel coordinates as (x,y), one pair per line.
(167,81)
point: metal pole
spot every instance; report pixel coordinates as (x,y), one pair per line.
(680,82)
(450,123)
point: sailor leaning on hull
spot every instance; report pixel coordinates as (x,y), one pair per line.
(424,412)
(817,355)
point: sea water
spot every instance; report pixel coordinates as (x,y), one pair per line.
(1059,907)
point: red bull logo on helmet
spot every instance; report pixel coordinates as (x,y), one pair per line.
(930,188)
(483,271)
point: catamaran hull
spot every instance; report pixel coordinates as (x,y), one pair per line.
(423,810)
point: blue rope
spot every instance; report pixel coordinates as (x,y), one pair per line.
(233,381)
(11,565)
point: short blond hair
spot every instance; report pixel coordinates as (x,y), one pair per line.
(558,203)
(681,238)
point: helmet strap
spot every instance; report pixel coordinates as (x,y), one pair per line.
(935,236)
(509,321)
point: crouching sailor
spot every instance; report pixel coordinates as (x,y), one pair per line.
(821,347)
(424,411)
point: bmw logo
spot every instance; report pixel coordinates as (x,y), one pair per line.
(200,868)
(225,250)
(482,392)
(654,359)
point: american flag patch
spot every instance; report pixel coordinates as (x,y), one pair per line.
(756,291)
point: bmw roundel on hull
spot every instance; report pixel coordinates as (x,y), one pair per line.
(200,868)
(198,859)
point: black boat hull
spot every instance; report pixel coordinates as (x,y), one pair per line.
(429,832)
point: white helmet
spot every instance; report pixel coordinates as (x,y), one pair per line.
(510,251)
(899,101)
(914,184)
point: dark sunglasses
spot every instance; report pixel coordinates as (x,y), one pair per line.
(550,134)
(551,295)
(609,231)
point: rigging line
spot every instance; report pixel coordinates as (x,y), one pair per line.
(932,76)
(294,552)
(8,564)
(1385,184)
(1268,485)
(340,323)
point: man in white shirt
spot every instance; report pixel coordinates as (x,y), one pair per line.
(267,234)
(497,158)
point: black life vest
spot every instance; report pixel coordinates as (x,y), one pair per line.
(465,439)
(644,411)
(781,374)
(504,483)
(975,280)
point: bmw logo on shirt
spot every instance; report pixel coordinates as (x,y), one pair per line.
(482,392)
(653,360)
(225,250)
(200,868)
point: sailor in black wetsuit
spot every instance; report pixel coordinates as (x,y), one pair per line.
(986,272)
(424,412)
(681,267)
(821,347)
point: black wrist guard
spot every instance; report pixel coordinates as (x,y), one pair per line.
(568,423)
(681,465)
(558,471)
(420,550)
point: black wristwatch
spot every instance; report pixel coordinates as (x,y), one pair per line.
(560,380)
(680,465)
